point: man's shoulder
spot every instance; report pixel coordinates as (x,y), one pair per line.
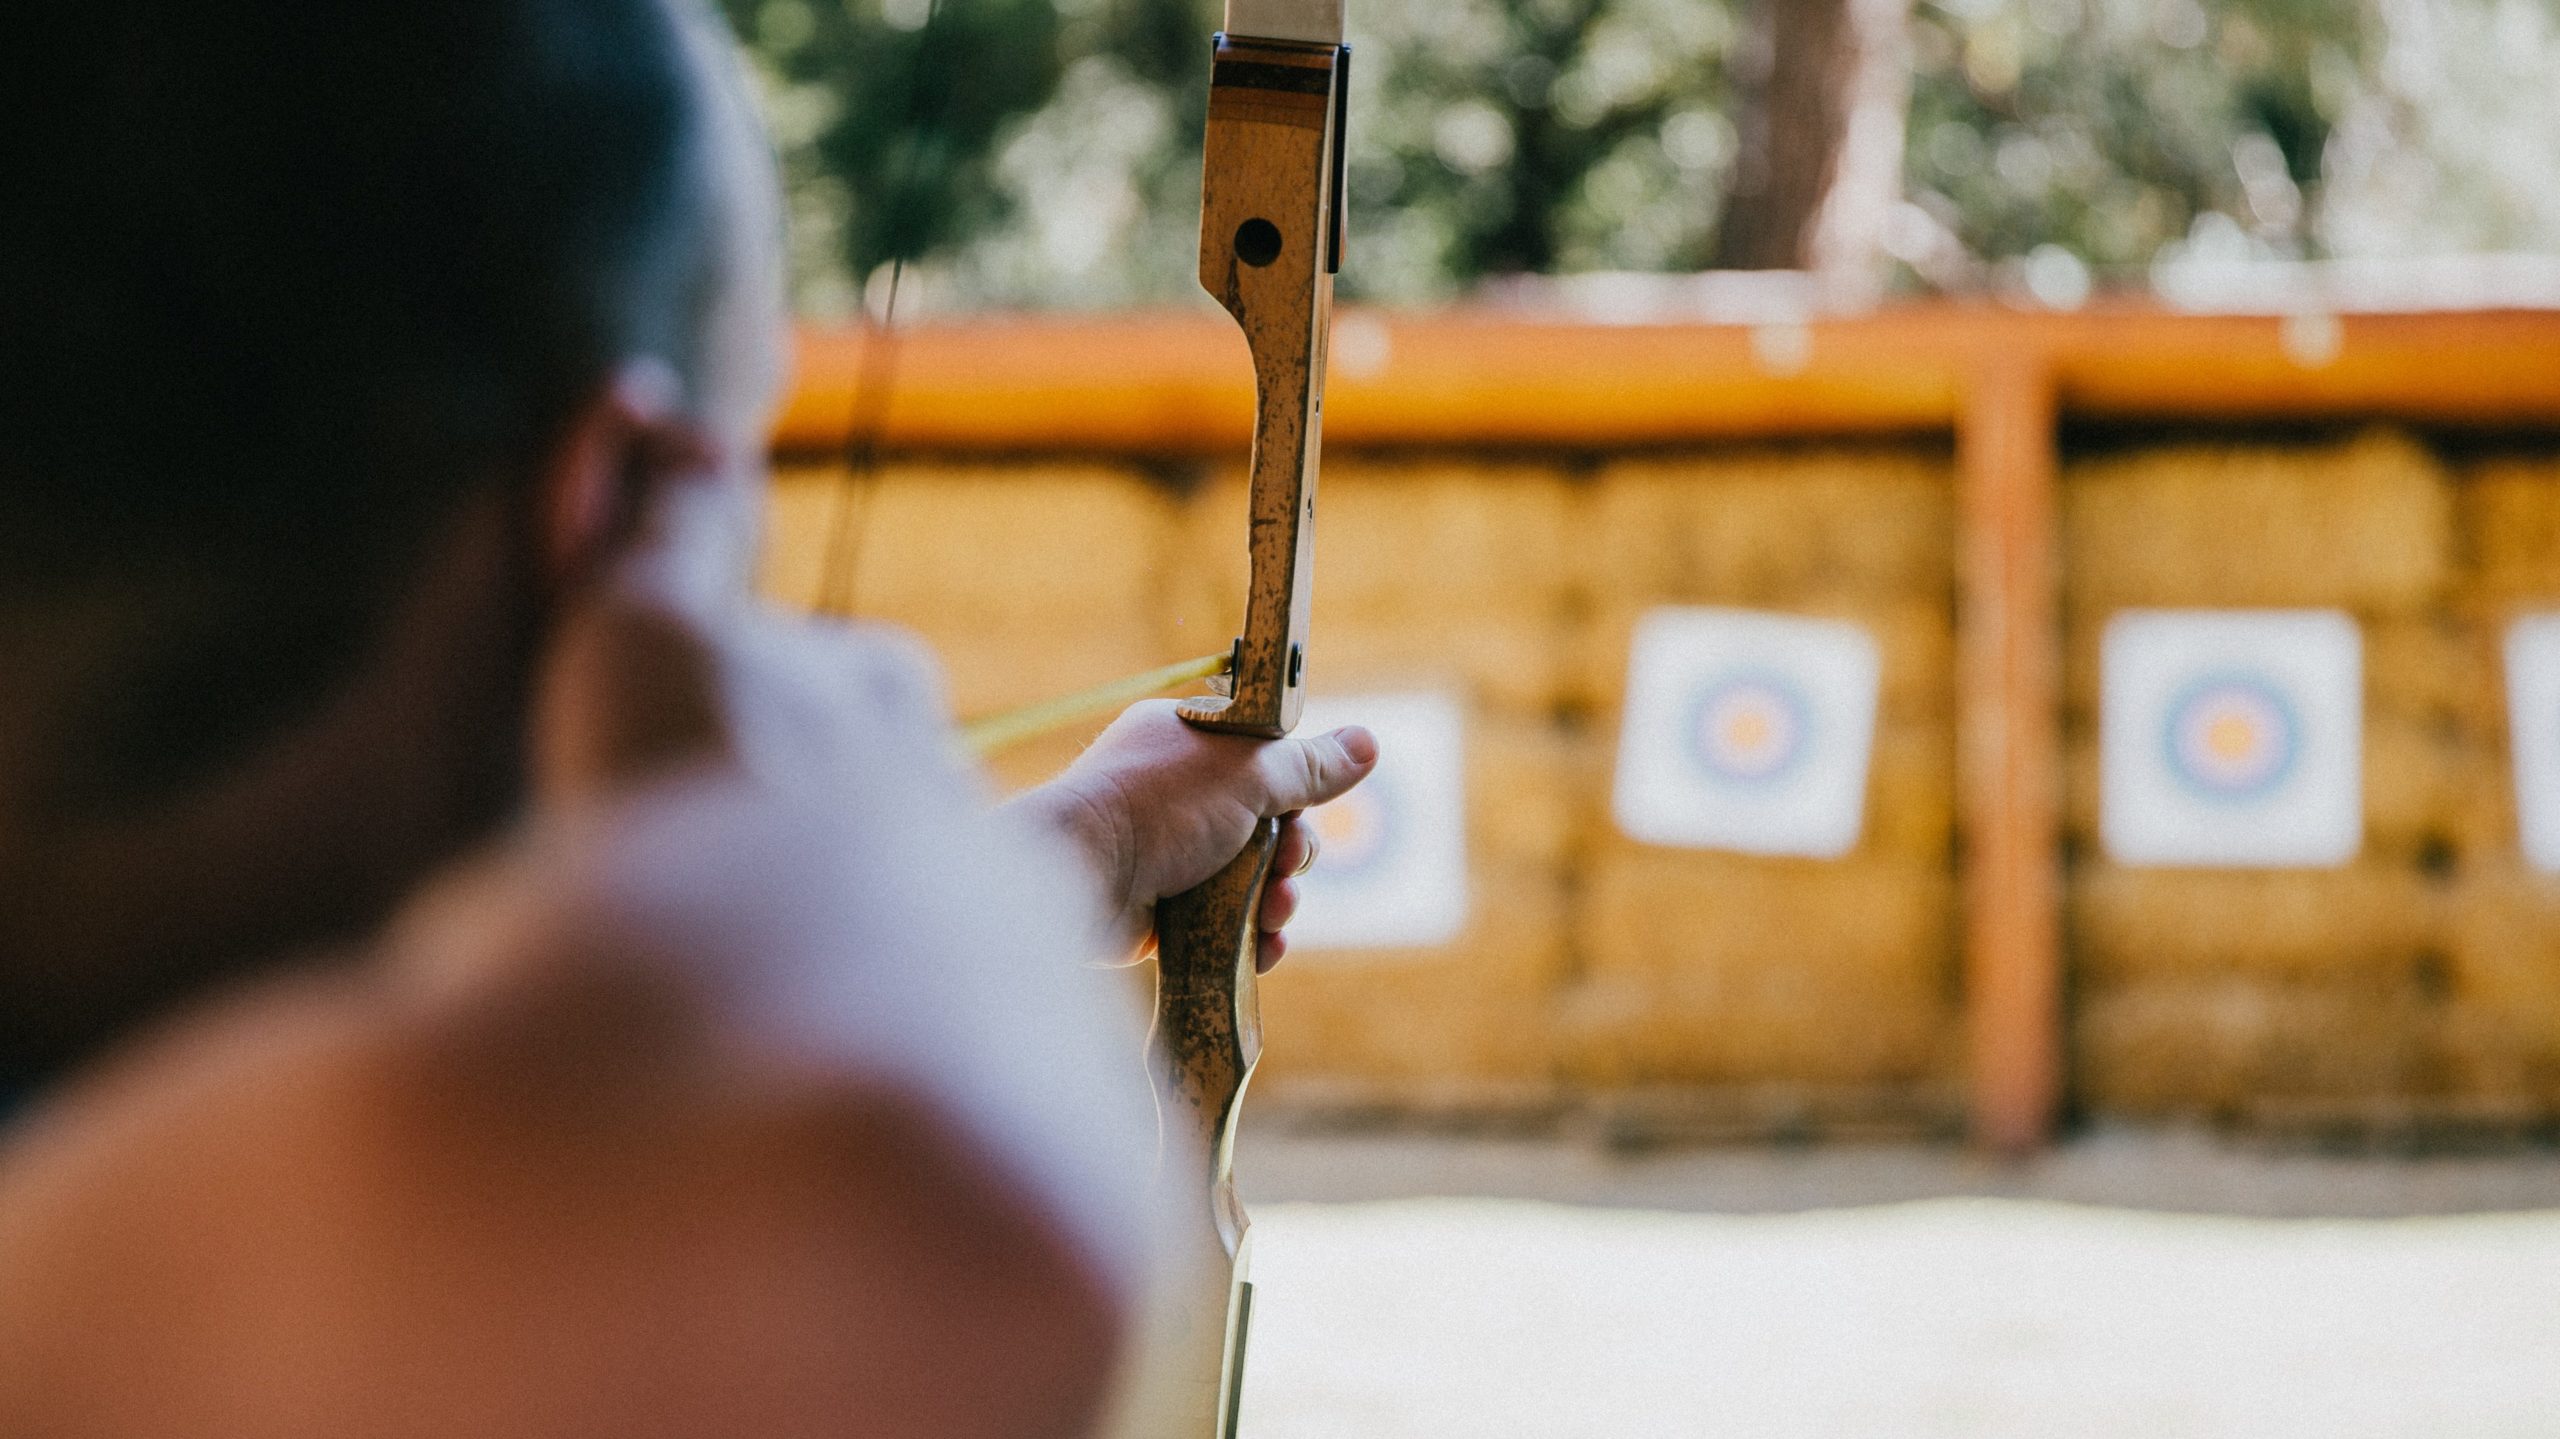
(680,1080)
(574,1171)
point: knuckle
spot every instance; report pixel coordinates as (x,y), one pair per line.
(1311,768)
(1159,716)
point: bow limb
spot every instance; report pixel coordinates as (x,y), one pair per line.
(1270,242)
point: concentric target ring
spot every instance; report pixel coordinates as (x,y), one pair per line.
(2232,738)
(1749,729)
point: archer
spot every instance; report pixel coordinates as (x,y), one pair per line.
(465,969)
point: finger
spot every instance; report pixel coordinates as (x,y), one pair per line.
(1279,906)
(1303,773)
(1298,846)
(1268,951)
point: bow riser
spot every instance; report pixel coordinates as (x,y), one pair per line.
(1269,243)
(1270,240)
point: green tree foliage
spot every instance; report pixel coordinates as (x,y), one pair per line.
(948,130)
(888,111)
(2105,131)
(1045,152)
(1501,137)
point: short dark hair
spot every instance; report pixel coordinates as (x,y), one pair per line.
(282,280)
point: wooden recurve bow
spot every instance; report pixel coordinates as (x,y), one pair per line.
(1270,244)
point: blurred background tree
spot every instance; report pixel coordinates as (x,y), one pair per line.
(2059,137)
(1044,152)
(1825,103)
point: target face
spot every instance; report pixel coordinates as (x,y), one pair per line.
(1391,866)
(1747,731)
(2232,738)
(2533,727)
(1750,729)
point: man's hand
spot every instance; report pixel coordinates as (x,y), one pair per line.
(1159,807)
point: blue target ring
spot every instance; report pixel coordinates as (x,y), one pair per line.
(1750,729)
(2232,738)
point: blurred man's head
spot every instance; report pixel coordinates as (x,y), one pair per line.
(301,308)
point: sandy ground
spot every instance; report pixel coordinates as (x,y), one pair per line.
(2128,1286)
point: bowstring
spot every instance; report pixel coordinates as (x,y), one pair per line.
(863,430)
(875,373)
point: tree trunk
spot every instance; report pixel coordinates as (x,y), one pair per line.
(1825,85)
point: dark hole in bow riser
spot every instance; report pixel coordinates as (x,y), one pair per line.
(1257,242)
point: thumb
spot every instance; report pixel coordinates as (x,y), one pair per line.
(1303,773)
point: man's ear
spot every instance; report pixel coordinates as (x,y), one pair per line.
(622,448)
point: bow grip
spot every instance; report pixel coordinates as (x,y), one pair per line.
(1208,1036)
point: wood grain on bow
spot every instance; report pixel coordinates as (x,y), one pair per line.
(1270,242)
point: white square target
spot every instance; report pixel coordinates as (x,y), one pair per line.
(2232,738)
(1747,731)
(2533,734)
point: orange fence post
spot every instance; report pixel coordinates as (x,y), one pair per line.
(2009,637)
